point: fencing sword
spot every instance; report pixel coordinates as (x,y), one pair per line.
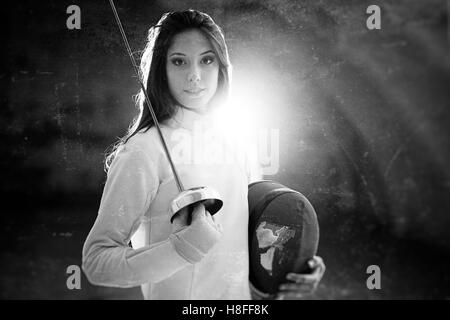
(205,194)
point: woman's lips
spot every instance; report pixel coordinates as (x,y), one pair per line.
(194,92)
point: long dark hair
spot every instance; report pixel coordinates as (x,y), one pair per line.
(153,70)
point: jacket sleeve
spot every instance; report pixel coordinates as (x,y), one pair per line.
(107,260)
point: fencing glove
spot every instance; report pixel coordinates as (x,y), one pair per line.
(194,241)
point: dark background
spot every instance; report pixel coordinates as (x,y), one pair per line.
(364,130)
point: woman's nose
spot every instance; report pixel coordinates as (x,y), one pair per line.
(194,75)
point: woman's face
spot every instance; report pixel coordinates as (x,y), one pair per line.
(192,69)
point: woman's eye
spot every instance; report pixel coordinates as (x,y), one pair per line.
(177,62)
(208,60)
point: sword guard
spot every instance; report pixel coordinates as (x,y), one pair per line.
(206,195)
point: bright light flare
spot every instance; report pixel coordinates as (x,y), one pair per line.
(251,116)
(249,109)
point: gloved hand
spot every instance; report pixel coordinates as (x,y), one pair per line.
(299,286)
(194,241)
(302,285)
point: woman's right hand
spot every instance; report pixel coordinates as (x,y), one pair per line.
(181,219)
(194,241)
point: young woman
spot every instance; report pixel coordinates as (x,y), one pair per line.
(186,70)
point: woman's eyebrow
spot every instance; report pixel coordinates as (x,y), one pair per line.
(206,52)
(177,53)
(182,54)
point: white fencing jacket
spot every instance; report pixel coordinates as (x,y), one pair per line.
(135,203)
